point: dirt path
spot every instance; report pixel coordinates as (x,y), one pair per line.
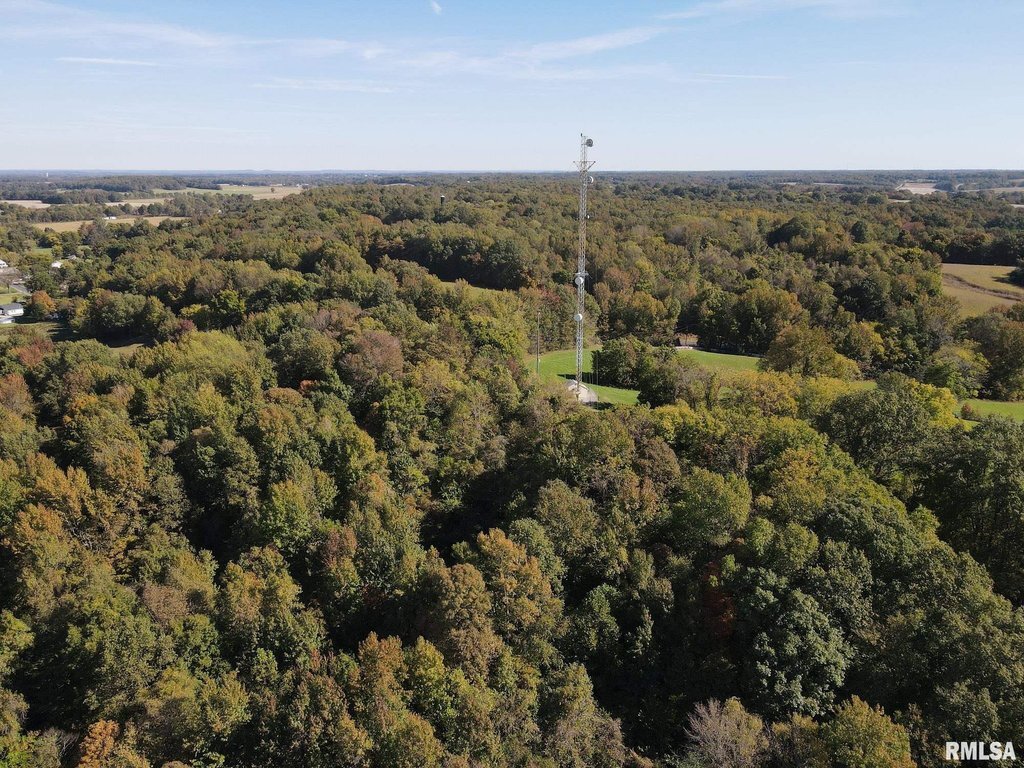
(586,394)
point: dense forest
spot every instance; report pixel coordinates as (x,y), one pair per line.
(278,486)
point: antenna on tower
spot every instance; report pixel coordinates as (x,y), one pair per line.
(583,165)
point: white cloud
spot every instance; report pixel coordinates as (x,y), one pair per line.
(849,9)
(586,46)
(435,7)
(317,84)
(721,76)
(107,62)
(533,62)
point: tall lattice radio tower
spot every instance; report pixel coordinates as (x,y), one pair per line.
(583,165)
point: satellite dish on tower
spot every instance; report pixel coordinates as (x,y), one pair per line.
(589,142)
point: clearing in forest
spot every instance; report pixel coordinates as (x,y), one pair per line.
(73,226)
(980,287)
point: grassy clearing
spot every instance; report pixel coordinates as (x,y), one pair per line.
(140,201)
(31,204)
(258,192)
(560,366)
(58,331)
(980,287)
(993,278)
(973,302)
(998,408)
(7,297)
(74,226)
(719,361)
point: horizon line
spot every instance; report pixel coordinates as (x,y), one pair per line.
(368,171)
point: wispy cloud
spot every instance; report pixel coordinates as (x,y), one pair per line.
(587,46)
(317,84)
(722,76)
(849,9)
(540,61)
(579,74)
(29,19)
(39,19)
(107,62)
(108,37)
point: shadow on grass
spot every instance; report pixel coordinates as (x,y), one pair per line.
(588,378)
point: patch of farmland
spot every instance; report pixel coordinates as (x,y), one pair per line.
(73,226)
(918,187)
(140,201)
(260,192)
(34,204)
(980,287)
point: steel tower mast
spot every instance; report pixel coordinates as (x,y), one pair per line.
(583,165)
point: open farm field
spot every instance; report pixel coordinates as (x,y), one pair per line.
(32,204)
(980,287)
(258,192)
(140,201)
(73,226)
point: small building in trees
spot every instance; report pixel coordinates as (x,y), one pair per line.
(11,310)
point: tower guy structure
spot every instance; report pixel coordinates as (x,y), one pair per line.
(585,180)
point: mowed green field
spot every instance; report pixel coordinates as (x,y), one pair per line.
(720,361)
(560,366)
(998,408)
(980,287)
(58,331)
(995,278)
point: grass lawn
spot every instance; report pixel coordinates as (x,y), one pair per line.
(720,361)
(58,331)
(980,287)
(8,297)
(973,302)
(994,278)
(560,365)
(998,408)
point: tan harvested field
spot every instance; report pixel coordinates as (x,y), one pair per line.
(268,192)
(980,287)
(73,226)
(141,201)
(260,193)
(918,187)
(37,204)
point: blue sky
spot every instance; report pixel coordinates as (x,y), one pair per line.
(481,84)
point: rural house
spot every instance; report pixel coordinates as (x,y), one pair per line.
(10,311)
